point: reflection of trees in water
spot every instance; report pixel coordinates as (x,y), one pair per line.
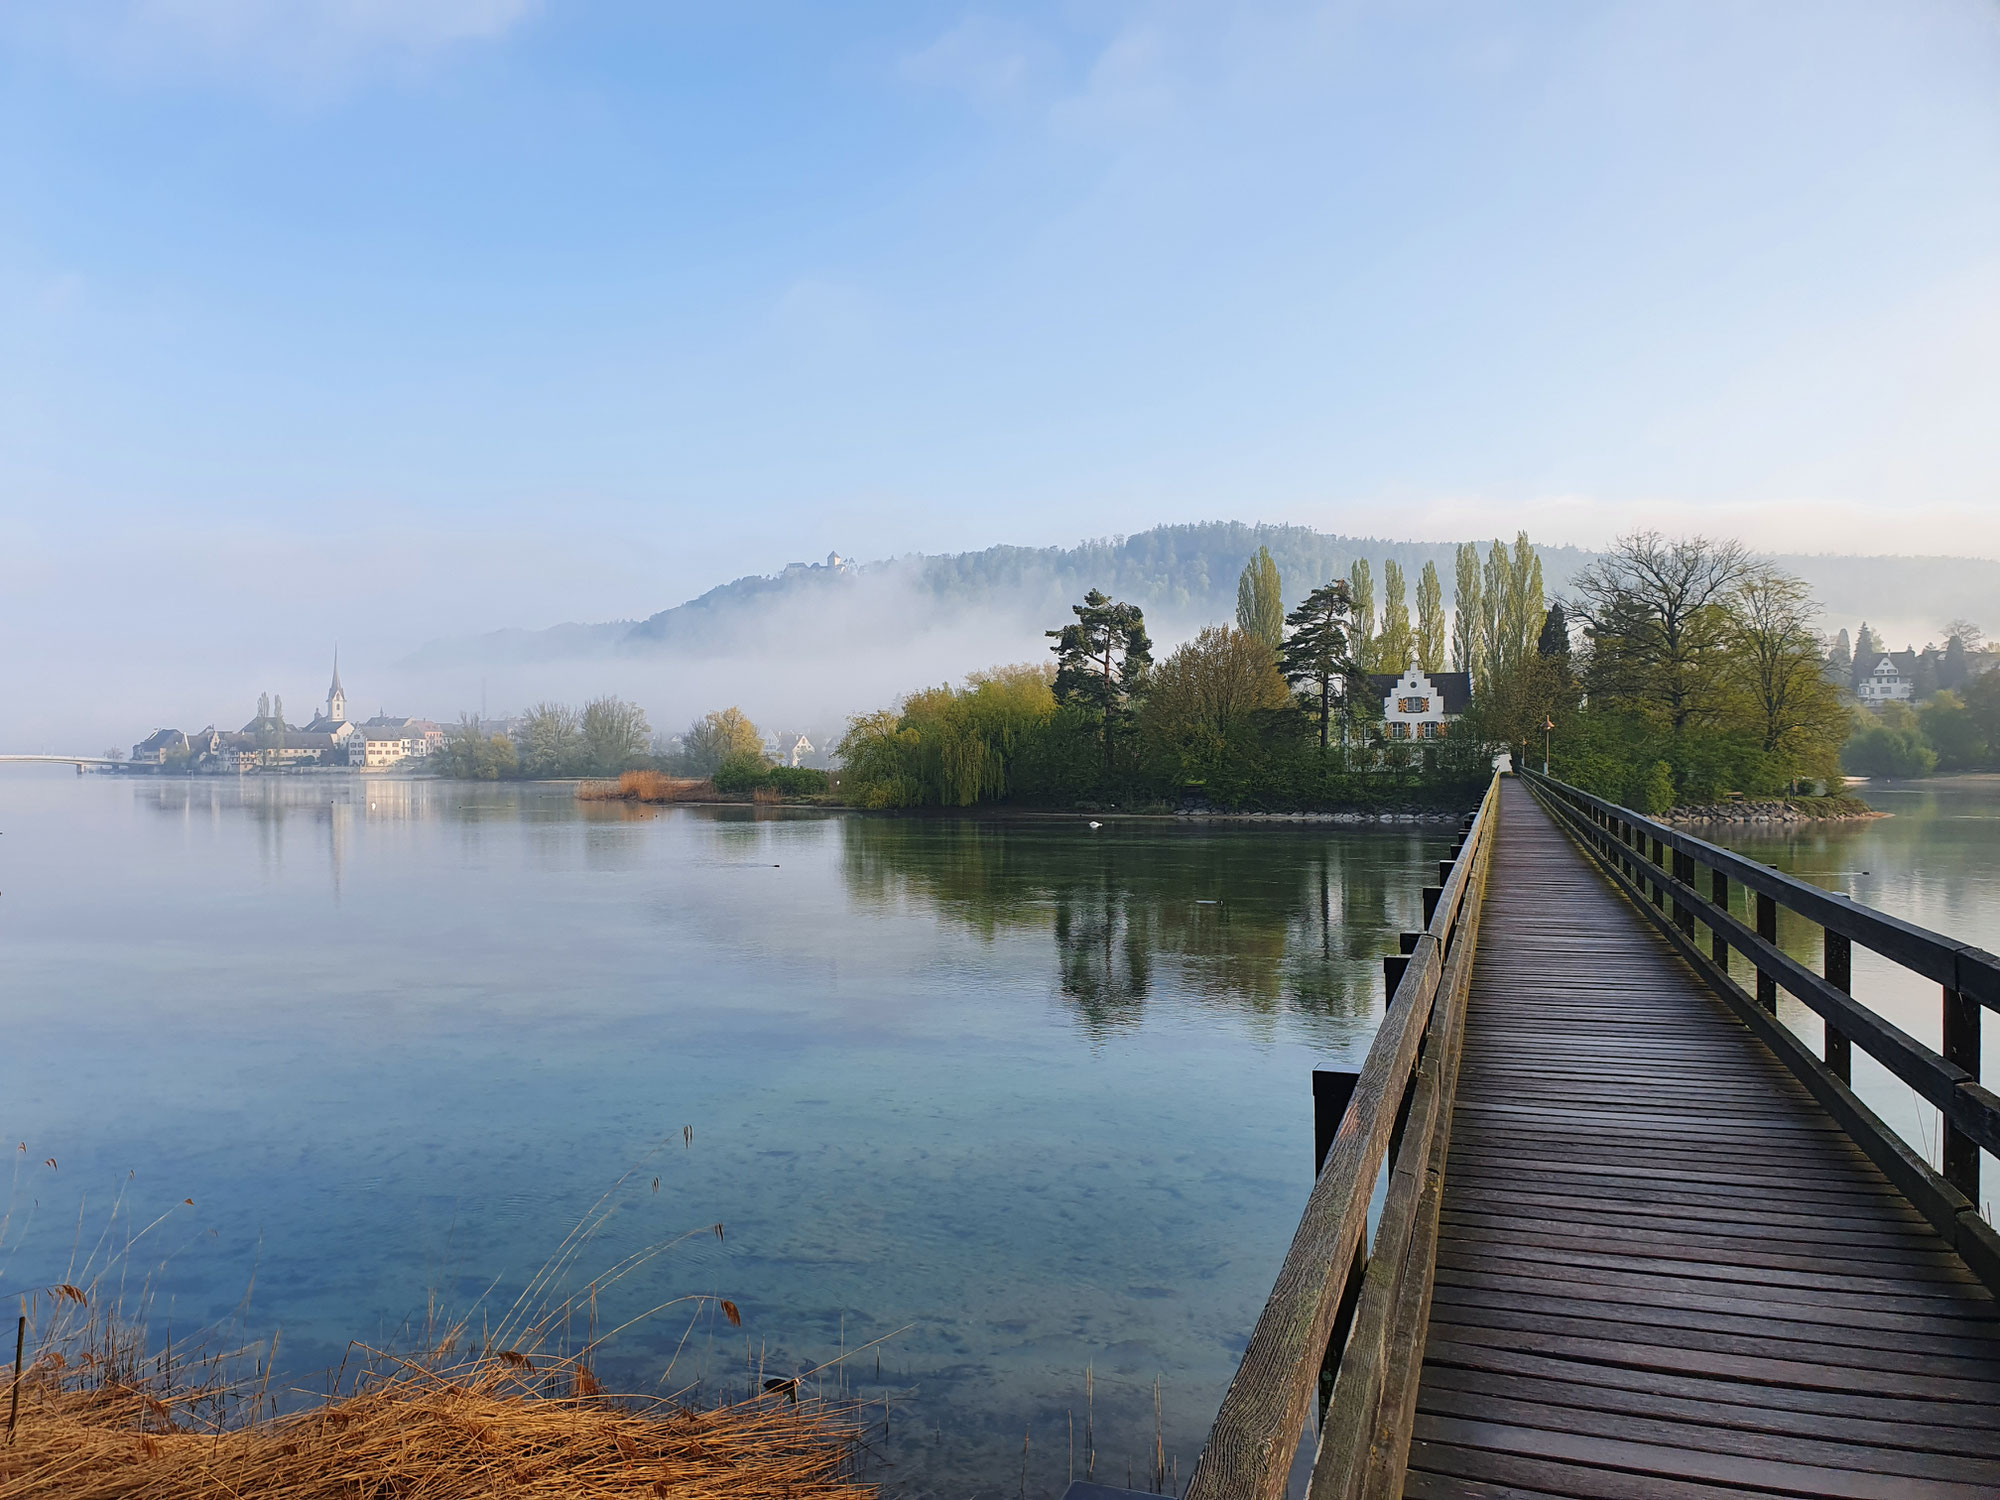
(1259,919)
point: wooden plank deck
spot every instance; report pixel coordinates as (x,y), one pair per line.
(1662,1270)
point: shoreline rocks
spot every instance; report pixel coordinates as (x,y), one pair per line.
(1777,811)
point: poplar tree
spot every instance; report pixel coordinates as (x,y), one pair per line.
(1361,590)
(1430,620)
(1393,645)
(1318,655)
(1468,613)
(1260,601)
(1101,661)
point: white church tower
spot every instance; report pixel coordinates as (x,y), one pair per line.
(336,697)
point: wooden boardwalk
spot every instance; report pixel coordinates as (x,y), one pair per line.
(1662,1270)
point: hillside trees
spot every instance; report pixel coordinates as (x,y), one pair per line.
(1318,656)
(1260,600)
(1101,664)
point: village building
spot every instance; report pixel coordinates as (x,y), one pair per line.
(1421,705)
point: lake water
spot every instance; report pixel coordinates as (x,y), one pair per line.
(1017,1099)
(1936,862)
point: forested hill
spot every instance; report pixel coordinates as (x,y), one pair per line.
(1183,576)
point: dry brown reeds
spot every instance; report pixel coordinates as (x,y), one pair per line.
(497,1424)
(648,786)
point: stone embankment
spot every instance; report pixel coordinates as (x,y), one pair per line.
(1817,810)
(1429,816)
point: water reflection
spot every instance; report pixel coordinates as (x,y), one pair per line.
(1260,919)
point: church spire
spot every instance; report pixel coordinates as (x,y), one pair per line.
(336,697)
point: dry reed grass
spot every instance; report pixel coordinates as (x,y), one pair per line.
(98,1413)
(497,1424)
(648,786)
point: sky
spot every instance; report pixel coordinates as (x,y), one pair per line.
(382,320)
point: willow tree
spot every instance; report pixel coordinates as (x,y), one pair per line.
(1260,601)
(1430,620)
(1318,657)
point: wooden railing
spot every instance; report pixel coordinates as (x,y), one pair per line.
(1658,866)
(1341,1304)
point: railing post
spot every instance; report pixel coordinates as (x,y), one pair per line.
(1767,929)
(1332,1089)
(1839,971)
(1718,945)
(1684,873)
(1659,859)
(1961,1046)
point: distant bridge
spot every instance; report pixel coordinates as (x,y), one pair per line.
(79,761)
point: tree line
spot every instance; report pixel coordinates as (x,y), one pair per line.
(609,736)
(1673,671)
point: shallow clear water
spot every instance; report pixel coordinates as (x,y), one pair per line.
(1936,862)
(1009,1097)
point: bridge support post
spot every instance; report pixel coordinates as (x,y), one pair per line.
(1718,945)
(1961,1046)
(1839,970)
(1332,1089)
(1767,929)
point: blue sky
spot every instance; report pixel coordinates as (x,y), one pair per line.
(440,314)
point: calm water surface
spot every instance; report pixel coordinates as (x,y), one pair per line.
(1017,1099)
(1935,862)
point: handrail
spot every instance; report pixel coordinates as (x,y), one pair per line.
(1250,1448)
(1617,838)
(1963,967)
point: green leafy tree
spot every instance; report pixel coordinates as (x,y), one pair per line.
(1395,646)
(1101,663)
(471,753)
(1260,600)
(1204,698)
(948,747)
(718,736)
(1888,743)
(1361,590)
(1950,729)
(1468,614)
(1780,673)
(1319,656)
(1430,620)
(614,734)
(552,741)
(1656,615)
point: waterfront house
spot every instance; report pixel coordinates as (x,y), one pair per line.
(1420,705)
(1886,682)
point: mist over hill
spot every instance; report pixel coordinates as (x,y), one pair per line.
(1184,576)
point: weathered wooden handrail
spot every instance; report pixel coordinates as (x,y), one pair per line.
(1618,839)
(1413,1058)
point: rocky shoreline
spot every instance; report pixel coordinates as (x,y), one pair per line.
(1430,816)
(1772,812)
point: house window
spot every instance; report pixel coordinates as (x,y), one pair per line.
(1412,705)
(1399,731)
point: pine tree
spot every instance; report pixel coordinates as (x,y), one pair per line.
(1430,620)
(1468,613)
(1101,661)
(1260,601)
(1554,640)
(1318,655)
(1361,591)
(1394,646)
(1840,660)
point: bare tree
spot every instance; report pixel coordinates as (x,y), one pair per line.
(1657,618)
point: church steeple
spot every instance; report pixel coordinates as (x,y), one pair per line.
(336,697)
